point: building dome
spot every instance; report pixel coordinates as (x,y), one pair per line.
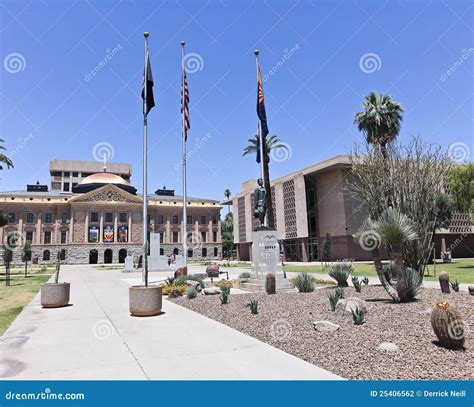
(103,178)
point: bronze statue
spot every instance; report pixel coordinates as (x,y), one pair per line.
(260,209)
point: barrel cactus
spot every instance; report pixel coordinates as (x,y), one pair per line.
(448,325)
(270,283)
(444,282)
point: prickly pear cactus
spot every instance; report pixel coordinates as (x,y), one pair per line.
(448,325)
(270,283)
(444,282)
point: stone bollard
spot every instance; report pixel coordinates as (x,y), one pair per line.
(444,282)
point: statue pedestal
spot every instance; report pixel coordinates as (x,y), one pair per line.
(266,259)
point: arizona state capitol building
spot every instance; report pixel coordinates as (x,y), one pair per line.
(92,214)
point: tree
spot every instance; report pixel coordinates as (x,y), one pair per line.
(444,210)
(461,187)
(7,260)
(227,227)
(26,255)
(270,143)
(380,120)
(326,252)
(227,195)
(3,158)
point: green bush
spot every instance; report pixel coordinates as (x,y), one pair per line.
(191,293)
(182,280)
(244,274)
(304,282)
(340,272)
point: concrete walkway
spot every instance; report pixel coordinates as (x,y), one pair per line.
(95,338)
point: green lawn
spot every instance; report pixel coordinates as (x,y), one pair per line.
(460,269)
(20,292)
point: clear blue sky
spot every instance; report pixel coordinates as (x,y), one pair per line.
(51,109)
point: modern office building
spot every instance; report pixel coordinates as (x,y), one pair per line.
(100,219)
(314,201)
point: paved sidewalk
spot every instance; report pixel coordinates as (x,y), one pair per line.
(95,338)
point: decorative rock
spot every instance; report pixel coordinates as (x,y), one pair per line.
(195,284)
(325,326)
(471,289)
(212,270)
(212,290)
(444,282)
(388,347)
(182,271)
(350,304)
(175,294)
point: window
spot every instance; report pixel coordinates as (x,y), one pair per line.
(161,237)
(47,237)
(48,218)
(123,217)
(63,236)
(203,236)
(148,219)
(75,174)
(62,254)
(30,217)
(214,220)
(204,252)
(109,217)
(56,174)
(66,187)
(175,237)
(190,253)
(11,217)
(175,219)
(67,173)
(46,255)
(203,220)
(216,251)
(189,219)
(175,251)
(64,217)
(29,236)
(161,219)
(214,237)
(94,216)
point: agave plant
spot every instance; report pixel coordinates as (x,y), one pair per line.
(253,304)
(340,272)
(358,316)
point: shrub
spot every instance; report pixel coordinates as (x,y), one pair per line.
(455,286)
(191,293)
(182,280)
(358,316)
(168,288)
(224,295)
(224,283)
(304,282)
(340,292)
(357,284)
(253,304)
(340,272)
(244,274)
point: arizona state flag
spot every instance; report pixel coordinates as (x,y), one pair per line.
(261,115)
(148,82)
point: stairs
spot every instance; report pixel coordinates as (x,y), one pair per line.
(257,284)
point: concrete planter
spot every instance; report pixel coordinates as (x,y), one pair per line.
(55,295)
(145,301)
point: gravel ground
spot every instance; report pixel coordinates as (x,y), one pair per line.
(285,321)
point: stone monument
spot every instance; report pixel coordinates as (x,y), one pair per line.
(156,262)
(128,265)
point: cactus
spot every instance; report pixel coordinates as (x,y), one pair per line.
(224,295)
(270,283)
(444,282)
(191,293)
(455,286)
(358,316)
(448,325)
(253,304)
(357,284)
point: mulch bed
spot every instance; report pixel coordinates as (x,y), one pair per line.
(285,321)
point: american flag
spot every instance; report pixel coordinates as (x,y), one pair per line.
(185,106)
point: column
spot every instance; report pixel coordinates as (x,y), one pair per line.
(219,232)
(196,237)
(115,226)
(20,227)
(209,231)
(71,229)
(129,227)
(38,229)
(101,227)
(168,231)
(86,230)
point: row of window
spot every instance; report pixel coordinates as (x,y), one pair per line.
(31,218)
(46,236)
(189,219)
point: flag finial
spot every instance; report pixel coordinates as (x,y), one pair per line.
(256,52)
(183,43)
(146,34)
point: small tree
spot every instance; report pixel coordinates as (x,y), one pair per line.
(26,255)
(228,235)
(326,252)
(7,260)
(461,187)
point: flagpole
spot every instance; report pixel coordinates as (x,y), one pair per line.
(145,169)
(183,133)
(260,138)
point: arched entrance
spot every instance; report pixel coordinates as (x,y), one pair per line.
(122,255)
(93,256)
(62,254)
(108,254)
(175,251)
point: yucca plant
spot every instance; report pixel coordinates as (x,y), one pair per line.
(304,282)
(358,316)
(191,293)
(333,299)
(224,295)
(455,285)
(341,271)
(365,280)
(253,304)
(340,292)
(357,284)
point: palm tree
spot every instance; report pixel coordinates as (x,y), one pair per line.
(380,120)
(270,143)
(227,195)
(3,158)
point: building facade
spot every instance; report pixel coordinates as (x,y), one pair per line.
(100,221)
(314,201)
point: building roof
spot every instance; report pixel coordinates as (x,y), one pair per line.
(104,178)
(88,166)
